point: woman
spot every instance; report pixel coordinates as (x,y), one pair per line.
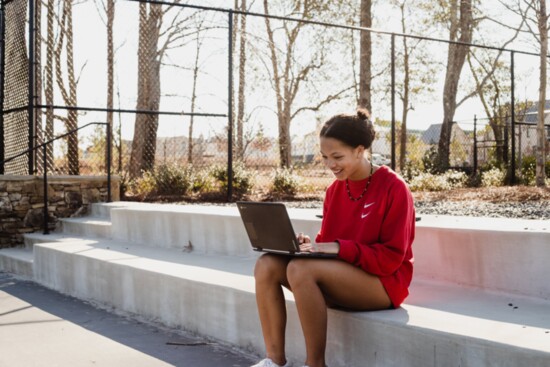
(368,220)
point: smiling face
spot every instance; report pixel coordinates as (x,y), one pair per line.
(344,161)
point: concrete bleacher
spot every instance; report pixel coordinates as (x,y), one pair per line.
(480,296)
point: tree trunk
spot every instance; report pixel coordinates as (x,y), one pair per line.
(460,30)
(72,115)
(541,138)
(193,101)
(16,129)
(110,67)
(146,124)
(406,91)
(242,83)
(365,74)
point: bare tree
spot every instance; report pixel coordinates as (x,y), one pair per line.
(365,62)
(146,124)
(155,40)
(461,23)
(542,20)
(492,86)
(65,43)
(535,16)
(288,75)
(110,12)
(241,98)
(196,66)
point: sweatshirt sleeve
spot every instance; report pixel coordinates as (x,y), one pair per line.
(386,256)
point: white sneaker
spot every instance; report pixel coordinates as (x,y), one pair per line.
(269,363)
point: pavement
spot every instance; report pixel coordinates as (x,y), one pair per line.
(43,328)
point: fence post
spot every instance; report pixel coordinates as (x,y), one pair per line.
(2,76)
(229,108)
(45,180)
(31,86)
(109,134)
(475,145)
(513,121)
(393,101)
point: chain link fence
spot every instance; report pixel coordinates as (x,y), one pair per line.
(160,74)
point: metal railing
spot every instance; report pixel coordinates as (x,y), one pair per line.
(45,162)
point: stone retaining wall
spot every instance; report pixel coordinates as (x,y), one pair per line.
(22,202)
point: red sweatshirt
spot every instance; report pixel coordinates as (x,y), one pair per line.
(376,232)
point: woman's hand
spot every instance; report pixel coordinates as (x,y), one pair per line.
(323,247)
(302,239)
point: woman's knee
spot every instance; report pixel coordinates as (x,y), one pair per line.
(299,270)
(270,267)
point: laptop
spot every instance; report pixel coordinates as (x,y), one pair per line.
(269,229)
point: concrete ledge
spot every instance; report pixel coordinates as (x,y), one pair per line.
(440,325)
(497,254)
(86,227)
(18,261)
(504,255)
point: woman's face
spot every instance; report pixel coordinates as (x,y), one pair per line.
(344,161)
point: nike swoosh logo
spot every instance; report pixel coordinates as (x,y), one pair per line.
(367,205)
(363,216)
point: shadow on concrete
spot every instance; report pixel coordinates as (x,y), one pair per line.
(173,347)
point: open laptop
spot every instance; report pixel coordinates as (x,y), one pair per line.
(269,229)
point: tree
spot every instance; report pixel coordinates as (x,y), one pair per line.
(288,74)
(542,22)
(461,24)
(142,157)
(365,73)
(535,16)
(417,68)
(68,93)
(154,42)
(242,82)
(492,85)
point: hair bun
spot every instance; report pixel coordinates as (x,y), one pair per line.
(363,114)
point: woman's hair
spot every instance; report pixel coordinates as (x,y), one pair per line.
(352,130)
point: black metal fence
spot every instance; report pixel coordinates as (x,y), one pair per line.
(168,81)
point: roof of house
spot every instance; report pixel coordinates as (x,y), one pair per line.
(432,134)
(532,113)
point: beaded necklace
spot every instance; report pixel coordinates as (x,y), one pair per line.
(364,190)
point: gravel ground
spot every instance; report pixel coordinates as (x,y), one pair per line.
(523,202)
(475,208)
(525,210)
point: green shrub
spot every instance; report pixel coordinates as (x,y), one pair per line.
(529,170)
(242,179)
(165,179)
(493,178)
(285,182)
(430,159)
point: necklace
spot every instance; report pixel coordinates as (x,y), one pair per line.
(364,190)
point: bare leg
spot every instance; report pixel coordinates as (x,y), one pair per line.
(314,282)
(270,276)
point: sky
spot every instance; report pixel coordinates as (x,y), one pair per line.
(90,67)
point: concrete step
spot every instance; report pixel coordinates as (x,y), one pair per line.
(18,261)
(208,229)
(498,254)
(212,295)
(103,210)
(95,227)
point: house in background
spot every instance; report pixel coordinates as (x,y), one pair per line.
(461,143)
(526,133)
